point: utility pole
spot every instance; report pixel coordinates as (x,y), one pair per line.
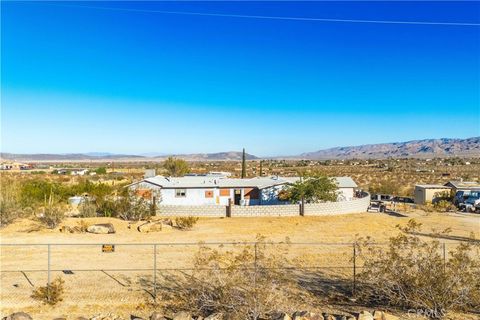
(244,165)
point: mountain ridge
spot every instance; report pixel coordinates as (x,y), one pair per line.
(443,147)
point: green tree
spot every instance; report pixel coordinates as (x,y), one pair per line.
(312,188)
(101,170)
(176,167)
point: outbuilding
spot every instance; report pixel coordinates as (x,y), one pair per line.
(430,193)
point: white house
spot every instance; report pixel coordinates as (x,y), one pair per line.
(217,190)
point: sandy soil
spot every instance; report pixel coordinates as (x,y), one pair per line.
(121,282)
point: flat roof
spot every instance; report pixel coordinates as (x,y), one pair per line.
(432,186)
(223,182)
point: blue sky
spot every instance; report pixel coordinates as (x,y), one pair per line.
(130,78)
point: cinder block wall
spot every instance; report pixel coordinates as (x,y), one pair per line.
(285,210)
(334,208)
(196,211)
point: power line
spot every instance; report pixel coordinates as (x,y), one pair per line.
(277,17)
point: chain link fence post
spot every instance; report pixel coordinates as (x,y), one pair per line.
(255,281)
(48,271)
(154,272)
(354,288)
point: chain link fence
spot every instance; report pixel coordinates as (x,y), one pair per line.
(121,277)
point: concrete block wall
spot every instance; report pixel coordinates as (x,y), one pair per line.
(285,210)
(334,208)
(196,211)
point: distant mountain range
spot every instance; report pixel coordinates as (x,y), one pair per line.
(427,148)
(411,149)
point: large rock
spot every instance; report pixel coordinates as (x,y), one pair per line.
(157,316)
(182,315)
(18,316)
(306,315)
(101,228)
(215,316)
(150,226)
(280,316)
(380,315)
(365,315)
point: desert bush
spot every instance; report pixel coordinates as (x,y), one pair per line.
(133,208)
(51,293)
(413,273)
(242,283)
(87,209)
(444,206)
(52,214)
(82,226)
(10,203)
(185,223)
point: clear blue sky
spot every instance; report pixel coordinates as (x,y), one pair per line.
(127,79)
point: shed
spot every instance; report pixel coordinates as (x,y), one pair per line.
(429,192)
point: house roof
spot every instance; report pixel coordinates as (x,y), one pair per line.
(432,186)
(463,184)
(221,182)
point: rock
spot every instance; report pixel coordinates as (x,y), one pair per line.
(327,316)
(150,226)
(168,222)
(365,315)
(157,316)
(182,315)
(380,315)
(215,316)
(18,316)
(101,228)
(305,315)
(280,316)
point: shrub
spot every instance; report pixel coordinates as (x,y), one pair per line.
(10,205)
(444,206)
(186,223)
(82,226)
(412,273)
(51,293)
(52,214)
(87,209)
(132,207)
(236,282)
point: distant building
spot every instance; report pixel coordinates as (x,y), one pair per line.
(429,193)
(217,190)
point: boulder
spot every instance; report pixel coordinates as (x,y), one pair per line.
(215,316)
(101,228)
(18,316)
(365,315)
(157,316)
(280,316)
(150,226)
(306,315)
(182,315)
(380,315)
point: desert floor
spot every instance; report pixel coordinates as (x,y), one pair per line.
(122,282)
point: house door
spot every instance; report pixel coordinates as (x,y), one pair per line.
(237,196)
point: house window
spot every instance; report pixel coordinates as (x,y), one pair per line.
(225,192)
(180,193)
(209,194)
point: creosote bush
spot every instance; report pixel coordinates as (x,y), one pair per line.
(186,223)
(51,293)
(414,274)
(242,282)
(87,209)
(52,214)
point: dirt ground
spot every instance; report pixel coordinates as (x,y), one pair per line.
(121,282)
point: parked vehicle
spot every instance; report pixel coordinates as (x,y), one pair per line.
(403,200)
(376,206)
(472,202)
(381,197)
(460,197)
